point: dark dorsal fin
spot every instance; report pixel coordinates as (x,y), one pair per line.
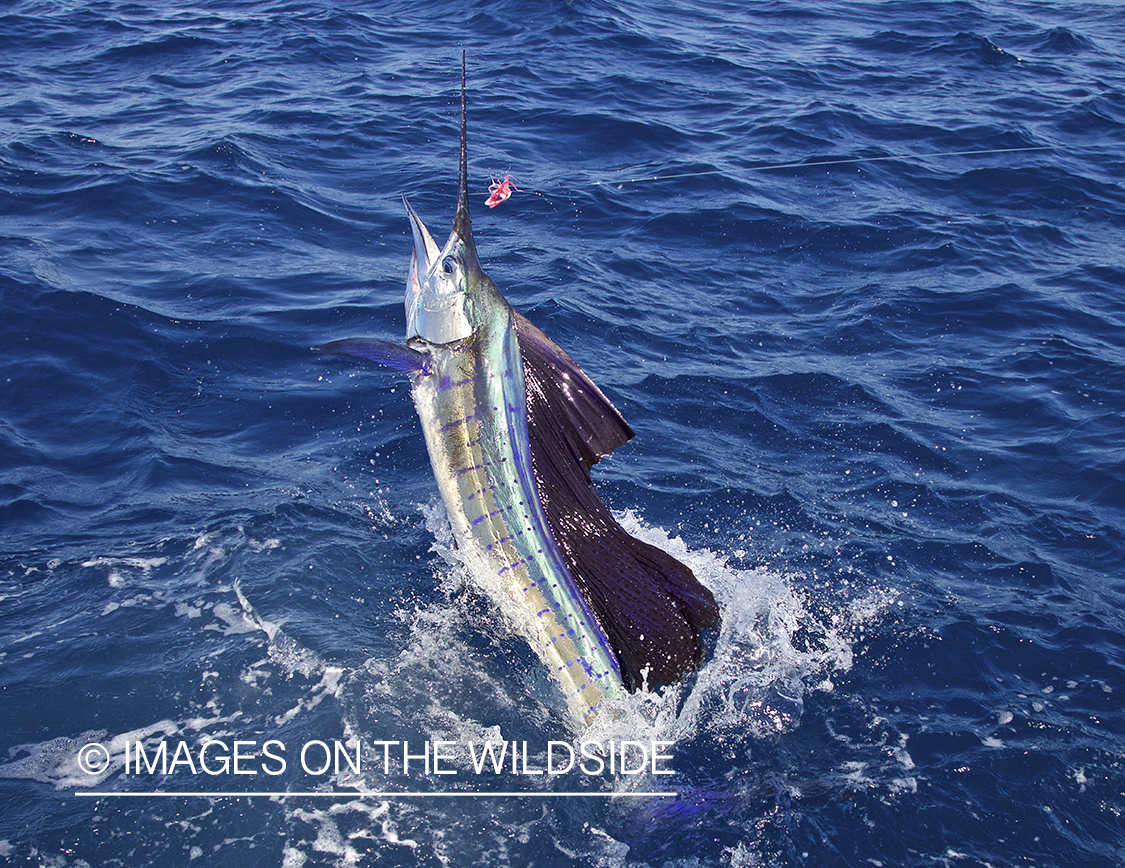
(595,426)
(650,606)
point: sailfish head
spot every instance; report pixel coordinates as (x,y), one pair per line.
(447,292)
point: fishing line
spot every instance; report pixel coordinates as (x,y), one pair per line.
(832,162)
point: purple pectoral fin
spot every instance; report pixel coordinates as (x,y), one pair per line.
(402,359)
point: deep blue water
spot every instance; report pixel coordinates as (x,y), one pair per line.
(879,409)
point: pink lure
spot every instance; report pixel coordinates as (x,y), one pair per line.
(500,190)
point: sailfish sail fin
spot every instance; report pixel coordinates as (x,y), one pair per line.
(651,607)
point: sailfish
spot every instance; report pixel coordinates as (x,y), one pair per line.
(513,427)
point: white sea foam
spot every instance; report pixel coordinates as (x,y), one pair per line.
(772,650)
(775,646)
(458,675)
(57,761)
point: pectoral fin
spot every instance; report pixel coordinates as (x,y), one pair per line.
(402,359)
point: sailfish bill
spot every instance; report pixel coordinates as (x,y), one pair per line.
(513,427)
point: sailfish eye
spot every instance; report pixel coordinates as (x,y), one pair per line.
(449,265)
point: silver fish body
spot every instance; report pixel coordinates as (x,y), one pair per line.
(471,404)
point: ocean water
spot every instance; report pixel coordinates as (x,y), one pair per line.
(877,394)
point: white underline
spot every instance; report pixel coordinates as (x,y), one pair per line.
(361,794)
